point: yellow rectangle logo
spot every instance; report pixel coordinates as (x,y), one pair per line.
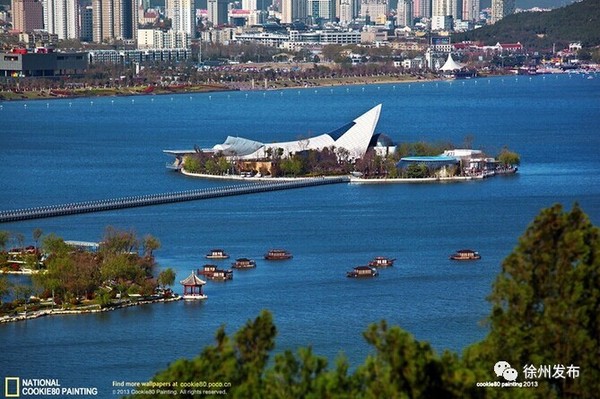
(12,387)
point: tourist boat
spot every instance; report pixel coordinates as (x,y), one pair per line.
(381,261)
(465,254)
(213,273)
(363,271)
(217,254)
(278,254)
(244,263)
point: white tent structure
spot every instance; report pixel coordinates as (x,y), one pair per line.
(451,65)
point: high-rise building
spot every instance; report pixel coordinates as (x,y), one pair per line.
(502,8)
(374,8)
(183,15)
(286,12)
(114,20)
(86,32)
(217,11)
(62,18)
(293,10)
(422,8)
(470,10)
(27,15)
(249,4)
(320,9)
(346,12)
(405,13)
(441,8)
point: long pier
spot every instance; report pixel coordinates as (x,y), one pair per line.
(164,198)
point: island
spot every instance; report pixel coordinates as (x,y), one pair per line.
(353,149)
(73,277)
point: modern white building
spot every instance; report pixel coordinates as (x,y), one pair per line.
(354,137)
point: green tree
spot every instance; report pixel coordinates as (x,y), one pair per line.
(400,365)
(116,241)
(4,287)
(150,244)
(37,234)
(211,166)
(509,158)
(239,361)
(22,293)
(4,238)
(223,165)
(417,171)
(545,304)
(20,238)
(54,245)
(166,277)
(192,164)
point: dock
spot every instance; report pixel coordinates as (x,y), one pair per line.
(164,198)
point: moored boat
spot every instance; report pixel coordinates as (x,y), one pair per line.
(244,263)
(465,254)
(381,261)
(278,254)
(363,271)
(212,272)
(217,254)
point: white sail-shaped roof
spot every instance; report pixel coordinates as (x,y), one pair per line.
(356,140)
(290,147)
(450,65)
(354,137)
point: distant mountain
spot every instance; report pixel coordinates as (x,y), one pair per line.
(540,30)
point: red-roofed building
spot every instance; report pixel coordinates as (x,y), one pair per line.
(510,47)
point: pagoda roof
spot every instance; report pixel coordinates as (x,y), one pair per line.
(192,279)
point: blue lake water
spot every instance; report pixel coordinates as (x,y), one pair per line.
(84,149)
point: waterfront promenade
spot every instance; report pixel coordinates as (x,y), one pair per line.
(164,198)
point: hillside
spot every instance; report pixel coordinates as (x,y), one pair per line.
(539,30)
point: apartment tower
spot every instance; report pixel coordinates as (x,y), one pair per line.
(27,15)
(114,20)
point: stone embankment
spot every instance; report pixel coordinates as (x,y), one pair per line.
(83,310)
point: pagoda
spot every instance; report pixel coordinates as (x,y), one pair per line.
(192,287)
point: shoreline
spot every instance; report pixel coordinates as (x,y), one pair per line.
(44,94)
(92,309)
(351,179)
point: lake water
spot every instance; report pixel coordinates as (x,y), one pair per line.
(85,149)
